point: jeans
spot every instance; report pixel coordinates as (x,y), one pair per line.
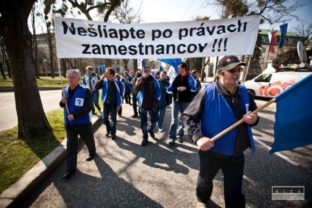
(110,125)
(175,120)
(233,170)
(144,126)
(161,111)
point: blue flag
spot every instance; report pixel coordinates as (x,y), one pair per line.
(143,64)
(173,62)
(101,68)
(283,29)
(293,118)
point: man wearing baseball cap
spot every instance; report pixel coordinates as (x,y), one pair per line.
(216,107)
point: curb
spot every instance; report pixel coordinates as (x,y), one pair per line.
(29,181)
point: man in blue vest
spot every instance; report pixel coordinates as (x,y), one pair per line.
(112,100)
(214,108)
(77,103)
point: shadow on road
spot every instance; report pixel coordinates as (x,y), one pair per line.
(83,190)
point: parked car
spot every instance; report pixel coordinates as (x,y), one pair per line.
(270,84)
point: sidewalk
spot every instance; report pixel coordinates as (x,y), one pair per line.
(30,180)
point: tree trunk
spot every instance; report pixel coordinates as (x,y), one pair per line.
(8,66)
(51,54)
(2,71)
(31,117)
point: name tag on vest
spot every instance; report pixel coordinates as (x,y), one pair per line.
(79,102)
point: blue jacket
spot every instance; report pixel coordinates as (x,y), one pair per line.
(218,115)
(140,95)
(118,91)
(163,92)
(121,87)
(127,83)
(90,80)
(75,103)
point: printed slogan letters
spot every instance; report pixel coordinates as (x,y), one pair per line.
(88,39)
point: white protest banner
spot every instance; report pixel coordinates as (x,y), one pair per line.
(88,39)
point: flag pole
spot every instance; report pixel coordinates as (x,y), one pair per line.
(67,108)
(239,122)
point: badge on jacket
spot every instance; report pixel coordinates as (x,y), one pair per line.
(79,102)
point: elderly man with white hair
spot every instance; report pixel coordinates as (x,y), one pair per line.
(77,104)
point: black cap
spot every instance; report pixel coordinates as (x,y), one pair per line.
(228,63)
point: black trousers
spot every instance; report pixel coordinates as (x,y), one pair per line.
(134,104)
(86,134)
(233,170)
(127,97)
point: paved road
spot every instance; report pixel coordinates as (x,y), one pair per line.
(264,133)
(8,115)
(127,175)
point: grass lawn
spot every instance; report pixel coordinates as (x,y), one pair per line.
(17,156)
(42,82)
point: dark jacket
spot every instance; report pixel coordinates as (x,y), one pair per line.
(213,110)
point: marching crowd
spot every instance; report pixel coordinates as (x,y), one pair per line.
(199,112)
(148,93)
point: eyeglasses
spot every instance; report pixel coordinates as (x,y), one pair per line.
(232,71)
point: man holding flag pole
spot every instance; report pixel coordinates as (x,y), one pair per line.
(214,108)
(204,116)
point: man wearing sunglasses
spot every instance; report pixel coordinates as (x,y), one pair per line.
(216,107)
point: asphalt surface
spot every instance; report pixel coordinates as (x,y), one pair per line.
(125,174)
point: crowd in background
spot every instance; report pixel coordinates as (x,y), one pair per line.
(129,88)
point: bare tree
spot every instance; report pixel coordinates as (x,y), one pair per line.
(274,11)
(126,14)
(304,31)
(232,8)
(85,7)
(32,120)
(271,11)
